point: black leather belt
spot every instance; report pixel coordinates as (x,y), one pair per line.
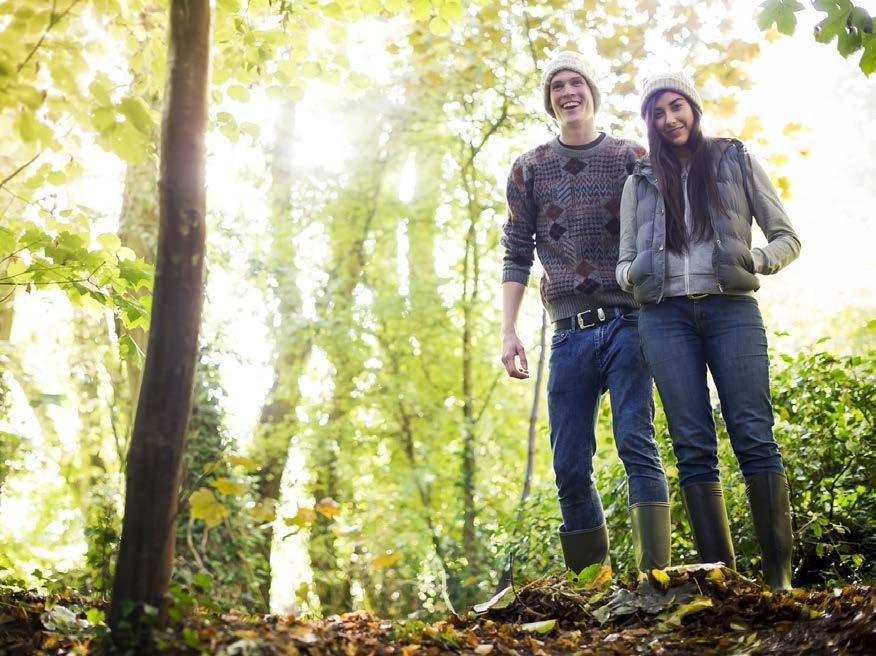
(590,318)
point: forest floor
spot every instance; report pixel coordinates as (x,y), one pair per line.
(701,609)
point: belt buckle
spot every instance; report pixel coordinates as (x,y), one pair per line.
(580,320)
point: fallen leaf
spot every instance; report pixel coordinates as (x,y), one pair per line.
(661,577)
(545,626)
(498,601)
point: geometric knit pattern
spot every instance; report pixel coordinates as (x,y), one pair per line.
(564,204)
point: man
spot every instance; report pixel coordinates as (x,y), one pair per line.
(563,200)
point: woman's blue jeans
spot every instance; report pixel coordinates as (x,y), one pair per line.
(584,364)
(681,338)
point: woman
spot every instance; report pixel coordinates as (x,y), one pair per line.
(685,253)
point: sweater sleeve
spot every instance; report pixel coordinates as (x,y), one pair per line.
(783,245)
(627,251)
(519,230)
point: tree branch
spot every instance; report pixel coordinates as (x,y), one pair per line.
(54,19)
(18,170)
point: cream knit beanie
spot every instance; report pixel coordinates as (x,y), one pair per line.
(670,82)
(567,60)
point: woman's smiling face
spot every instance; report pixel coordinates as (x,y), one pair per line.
(673,118)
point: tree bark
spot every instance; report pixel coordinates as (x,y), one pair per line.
(153,472)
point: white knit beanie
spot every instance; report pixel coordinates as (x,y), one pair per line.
(568,60)
(670,82)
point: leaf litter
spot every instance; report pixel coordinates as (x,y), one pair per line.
(702,609)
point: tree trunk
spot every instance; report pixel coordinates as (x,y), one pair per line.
(278,422)
(153,472)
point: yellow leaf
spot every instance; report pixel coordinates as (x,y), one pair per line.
(791,128)
(248,464)
(452,11)
(661,577)
(784,186)
(205,506)
(304,517)
(438,26)
(778,159)
(716,575)
(725,106)
(328,507)
(772,35)
(394,6)
(752,126)
(421,9)
(265,510)
(386,559)
(227,486)
(601,579)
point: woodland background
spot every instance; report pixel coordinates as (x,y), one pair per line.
(353,441)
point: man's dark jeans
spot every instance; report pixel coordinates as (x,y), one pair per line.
(680,339)
(584,364)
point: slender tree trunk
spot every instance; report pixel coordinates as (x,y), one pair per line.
(505,578)
(153,473)
(349,233)
(278,422)
(471,273)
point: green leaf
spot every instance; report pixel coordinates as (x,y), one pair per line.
(498,601)
(15,270)
(95,616)
(848,42)
(100,89)
(109,241)
(137,111)
(544,626)
(238,93)
(861,19)
(834,24)
(439,27)
(57,178)
(203,580)
(8,241)
(868,59)
(781,13)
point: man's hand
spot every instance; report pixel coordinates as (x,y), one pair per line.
(512,348)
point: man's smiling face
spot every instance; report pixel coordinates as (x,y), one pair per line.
(571,98)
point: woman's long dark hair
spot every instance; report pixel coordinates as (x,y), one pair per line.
(702,189)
